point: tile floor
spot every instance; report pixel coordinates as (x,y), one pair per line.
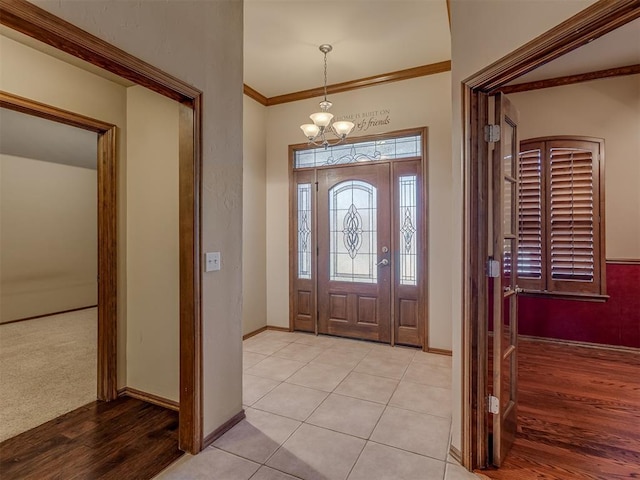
(326,408)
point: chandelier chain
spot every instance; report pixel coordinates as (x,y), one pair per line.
(325,76)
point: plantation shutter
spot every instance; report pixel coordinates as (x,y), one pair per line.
(572,221)
(530,204)
(560,219)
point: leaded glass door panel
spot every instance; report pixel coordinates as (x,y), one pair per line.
(354,252)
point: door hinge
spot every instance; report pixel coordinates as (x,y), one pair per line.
(493,404)
(491,133)
(316,186)
(493,268)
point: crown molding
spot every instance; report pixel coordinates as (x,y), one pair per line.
(571,79)
(396,76)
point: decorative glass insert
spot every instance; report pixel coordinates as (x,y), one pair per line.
(304,230)
(387,149)
(353,232)
(408,246)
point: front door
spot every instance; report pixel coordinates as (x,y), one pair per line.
(505,302)
(354,252)
(358,239)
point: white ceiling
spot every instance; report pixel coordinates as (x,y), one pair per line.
(32,137)
(369,37)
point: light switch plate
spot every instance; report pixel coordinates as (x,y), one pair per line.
(212,262)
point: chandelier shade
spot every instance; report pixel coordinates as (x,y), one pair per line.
(322,120)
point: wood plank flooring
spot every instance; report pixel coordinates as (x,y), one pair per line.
(124,439)
(579,415)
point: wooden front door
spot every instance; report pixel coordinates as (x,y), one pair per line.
(354,252)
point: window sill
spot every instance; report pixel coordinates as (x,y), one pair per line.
(585,297)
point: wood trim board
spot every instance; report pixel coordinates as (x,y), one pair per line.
(149,398)
(224,428)
(41,25)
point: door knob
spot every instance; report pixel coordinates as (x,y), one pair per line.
(384,262)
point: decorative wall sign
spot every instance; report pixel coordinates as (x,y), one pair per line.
(368,120)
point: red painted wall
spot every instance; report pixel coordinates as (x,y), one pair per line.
(614,322)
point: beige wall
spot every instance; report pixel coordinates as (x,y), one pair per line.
(254,217)
(483,31)
(418,102)
(609,109)
(35,75)
(48,237)
(153,264)
(200,43)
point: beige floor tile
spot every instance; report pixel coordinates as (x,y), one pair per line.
(275,368)
(249,359)
(347,415)
(322,341)
(277,335)
(423,399)
(258,436)
(456,472)
(299,352)
(254,388)
(341,357)
(291,401)
(432,359)
(367,387)
(201,466)
(264,346)
(382,367)
(352,345)
(319,376)
(266,473)
(416,432)
(399,353)
(426,374)
(381,462)
(314,453)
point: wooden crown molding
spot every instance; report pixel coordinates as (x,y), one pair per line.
(596,20)
(571,79)
(396,76)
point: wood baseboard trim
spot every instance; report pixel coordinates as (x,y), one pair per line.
(574,343)
(278,329)
(149,398)
(222,429)
(254,333)
(48,314)
(456,454)
(264,329)
(440,351)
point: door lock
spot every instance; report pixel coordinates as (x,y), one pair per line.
(384,262)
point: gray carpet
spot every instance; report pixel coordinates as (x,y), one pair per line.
(47,368)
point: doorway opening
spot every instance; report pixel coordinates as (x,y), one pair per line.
(358,239)
(482,206)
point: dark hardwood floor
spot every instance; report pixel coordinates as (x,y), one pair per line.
(124,439)
(579,415)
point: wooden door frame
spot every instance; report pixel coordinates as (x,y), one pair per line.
(423,211)
(107,230)
(37,23)
(589,24)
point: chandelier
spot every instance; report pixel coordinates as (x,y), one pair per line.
(316,131)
